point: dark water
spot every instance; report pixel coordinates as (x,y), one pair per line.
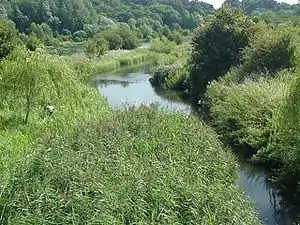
(131,86)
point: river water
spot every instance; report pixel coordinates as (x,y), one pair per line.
(131,86)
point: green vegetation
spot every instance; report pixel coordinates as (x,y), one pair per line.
(86,67)
(87,163)
(8,38)
(128,168)
(162,45)
(248,79)
(97,47)
(170,67)
(33,43)
(79,20)
(211,61)
(243,113)
(252,99)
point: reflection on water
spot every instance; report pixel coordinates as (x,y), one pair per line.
(130,85)
(272,206)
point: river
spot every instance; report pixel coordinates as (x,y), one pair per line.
(131,86)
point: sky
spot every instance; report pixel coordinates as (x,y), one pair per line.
(218,3)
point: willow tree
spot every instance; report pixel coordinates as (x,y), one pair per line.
(30,80)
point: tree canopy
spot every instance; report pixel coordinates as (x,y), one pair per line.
(76,15)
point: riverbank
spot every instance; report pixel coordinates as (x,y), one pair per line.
(275,202)
(88,163)
(249,91)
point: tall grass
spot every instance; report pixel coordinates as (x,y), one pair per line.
(243,112)
(141,166)
(284,144)
(18,140)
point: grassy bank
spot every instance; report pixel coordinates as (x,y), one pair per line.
(243,112)
(86,67)
(260,117)
(138,166)
(90,164)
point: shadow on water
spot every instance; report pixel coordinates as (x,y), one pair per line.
(275,204)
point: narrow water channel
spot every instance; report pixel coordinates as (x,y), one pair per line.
(131,86)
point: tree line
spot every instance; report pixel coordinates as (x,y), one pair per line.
(91,16)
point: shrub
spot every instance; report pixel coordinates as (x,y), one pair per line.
(79,36)
(130,39)
(120,38)
(161,45)
(170,77)
(31,80)
(101,45)
(33,43)
(176,37)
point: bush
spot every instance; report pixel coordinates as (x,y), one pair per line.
(128,168)
(33,43)
(170,77)
(115,41)
(31,80)
(161,45)
(120,38)
(130,39)
(79,36)
(176,37)
(101,45)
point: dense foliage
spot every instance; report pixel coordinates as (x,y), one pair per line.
(254,104)
(271,11)
(91,16)
(230,33)
(8,37)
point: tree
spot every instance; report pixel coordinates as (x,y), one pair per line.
(217,46)
(146,30)
(8,37)
(233,4)
(176,37)
(31,80)
(166,31)
(270,50)
(130,40)
(115,41)
(42,32)
(90,30)
(79,36)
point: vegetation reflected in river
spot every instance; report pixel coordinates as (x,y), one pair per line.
(274,204)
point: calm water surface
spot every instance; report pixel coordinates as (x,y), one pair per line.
(131,86)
